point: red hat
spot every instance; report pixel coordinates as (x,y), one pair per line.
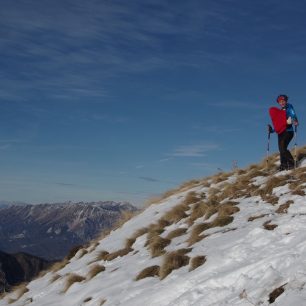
(281,98)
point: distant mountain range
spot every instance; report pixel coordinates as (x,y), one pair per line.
(9,203)
(17,268)
(51,230)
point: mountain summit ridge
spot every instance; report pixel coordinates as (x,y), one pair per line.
(233,239)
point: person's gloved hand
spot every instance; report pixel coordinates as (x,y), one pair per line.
(289,120)
(270,130)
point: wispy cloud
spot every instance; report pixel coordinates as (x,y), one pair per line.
(155,180)
(66,184)
(69,51)
(215,129)
(237,104)
(149,179)
(194,150)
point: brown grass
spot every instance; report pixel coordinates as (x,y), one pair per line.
(102,255)
(81,253)
(222,221)
(176,214)
(221,177)
(197,262)
(211,211)
(176,233)
(276,293)
(172,261)
(271,199)
(225,212)
(102,302)
(157,246)
(71,279)
(96,269)
(301,153)
(268,226)
(125,216)
(130,241)
(18,291)
(191,198)
(273,182)
(73,251)
(198,211)
(59,265)
(148,272)
(196,233)
(54,278)
(119,253)
(228,209)
(298,191)
(232,191)
(283,209)
(154,230)
(169,193)
(257,217)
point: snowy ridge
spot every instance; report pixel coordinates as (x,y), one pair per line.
(246,230)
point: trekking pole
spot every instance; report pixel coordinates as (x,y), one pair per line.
(268,148)
(295,146)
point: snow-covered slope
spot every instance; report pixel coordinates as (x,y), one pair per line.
(232,239)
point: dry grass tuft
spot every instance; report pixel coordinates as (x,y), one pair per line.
(54,278)
(125,216)
(176,233)
(71,279)
(157,246)
(81,253)
(102,302)
(225,212)
(222,221)
(102,255)
(276,293)
(232,191)
(59,265)
(18,291)
(271,199)
(221,177)
(130,241)
(301,153)
(148,272)
(87,300)
(228,209)
(96,269)
(257,217)
(154,230)
(197,262)
(298,191)
(283,209)
(273,182)
(211,211)
(119,253)
(172,261)
(191,198)
(73,251)
(268,226)
(198,211)
(176,214)
(196,233)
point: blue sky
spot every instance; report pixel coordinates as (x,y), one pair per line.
(123,100)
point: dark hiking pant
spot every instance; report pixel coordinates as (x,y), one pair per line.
(286,158)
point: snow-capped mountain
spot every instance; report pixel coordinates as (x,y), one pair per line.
(233,239)
(51,230)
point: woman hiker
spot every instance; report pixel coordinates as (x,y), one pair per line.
(284,138)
